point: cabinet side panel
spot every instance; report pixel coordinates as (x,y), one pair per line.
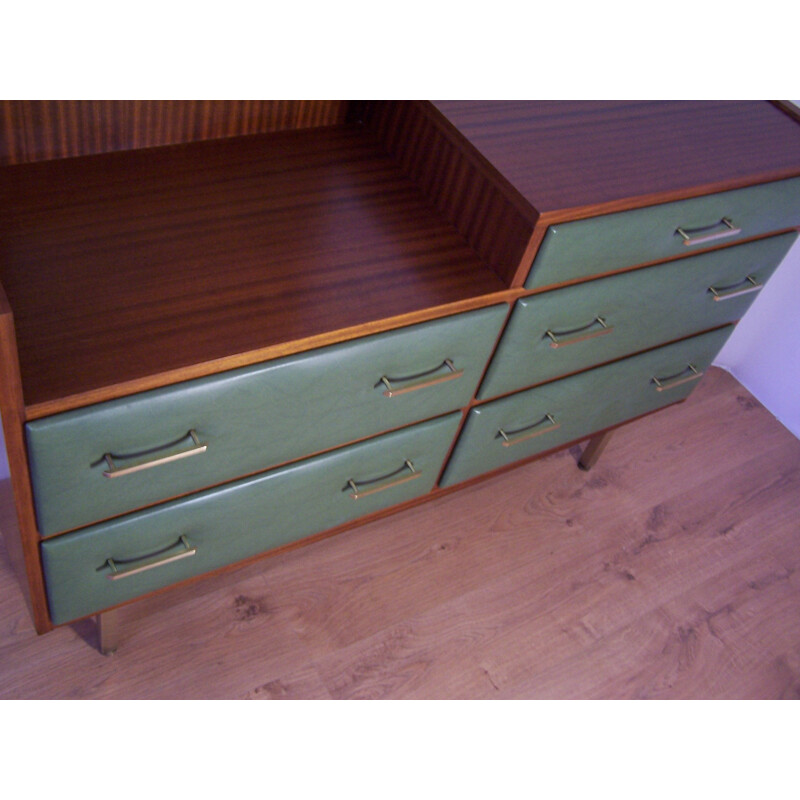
(22,540)
(39,130)
(462,189)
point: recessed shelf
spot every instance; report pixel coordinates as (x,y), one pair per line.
(125,265)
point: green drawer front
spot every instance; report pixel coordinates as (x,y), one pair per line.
(252,418)
(239,520)
(566,330)
(615,241)
(556,413)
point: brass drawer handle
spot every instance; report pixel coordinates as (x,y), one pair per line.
(563,338)
(679,378)
(750,284)
(528,432)
(730,230)
(114,471)
(420,380)
(380,483)
(117,574)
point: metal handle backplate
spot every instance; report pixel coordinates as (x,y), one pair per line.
(563,338)
(748,285)
(689,241)
(363,488)
(690,373)
(117,573)
(420,380)
(114,471)
(510,438)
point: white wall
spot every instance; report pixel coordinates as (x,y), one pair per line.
(763,353)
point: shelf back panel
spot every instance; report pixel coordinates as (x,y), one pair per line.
(40,130)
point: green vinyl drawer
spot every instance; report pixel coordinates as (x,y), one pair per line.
(565,330)
(122,559)
(610,242)
(533,421)
(236,423)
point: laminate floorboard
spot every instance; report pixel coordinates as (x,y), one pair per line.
(670,570)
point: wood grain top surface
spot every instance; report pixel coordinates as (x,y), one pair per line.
(576,154)
(122,265)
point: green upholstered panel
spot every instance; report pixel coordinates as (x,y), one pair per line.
(578,406)
(251,418)
(240,519)
(640,310)
(610,242)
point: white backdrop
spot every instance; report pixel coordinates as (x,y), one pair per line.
(763,352)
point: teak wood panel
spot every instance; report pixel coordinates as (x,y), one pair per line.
(578,158)
(36,130)
(490,214)
(173,257)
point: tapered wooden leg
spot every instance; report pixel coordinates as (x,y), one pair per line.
(594,450)
(108,631)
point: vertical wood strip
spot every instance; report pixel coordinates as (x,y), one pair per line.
(23,549)
(461,189)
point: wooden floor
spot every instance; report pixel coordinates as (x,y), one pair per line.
(671,570)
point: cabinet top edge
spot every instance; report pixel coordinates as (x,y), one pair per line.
(570,159)
(45,408)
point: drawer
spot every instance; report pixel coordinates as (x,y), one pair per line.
(172,441)
(530,422)
(122,559)
(559,332)
(614,241)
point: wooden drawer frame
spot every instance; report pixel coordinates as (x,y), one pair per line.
(438,164)
(251,419)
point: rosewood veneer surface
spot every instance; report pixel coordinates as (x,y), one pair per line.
(595,155)
(37,130)
(123,265)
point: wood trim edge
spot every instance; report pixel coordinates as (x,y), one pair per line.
(575,213)
(251,357)
(22,544)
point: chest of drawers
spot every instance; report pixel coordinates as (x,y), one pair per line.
(213,350)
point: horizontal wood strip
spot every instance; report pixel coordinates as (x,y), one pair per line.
(36,130)
(212,367)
